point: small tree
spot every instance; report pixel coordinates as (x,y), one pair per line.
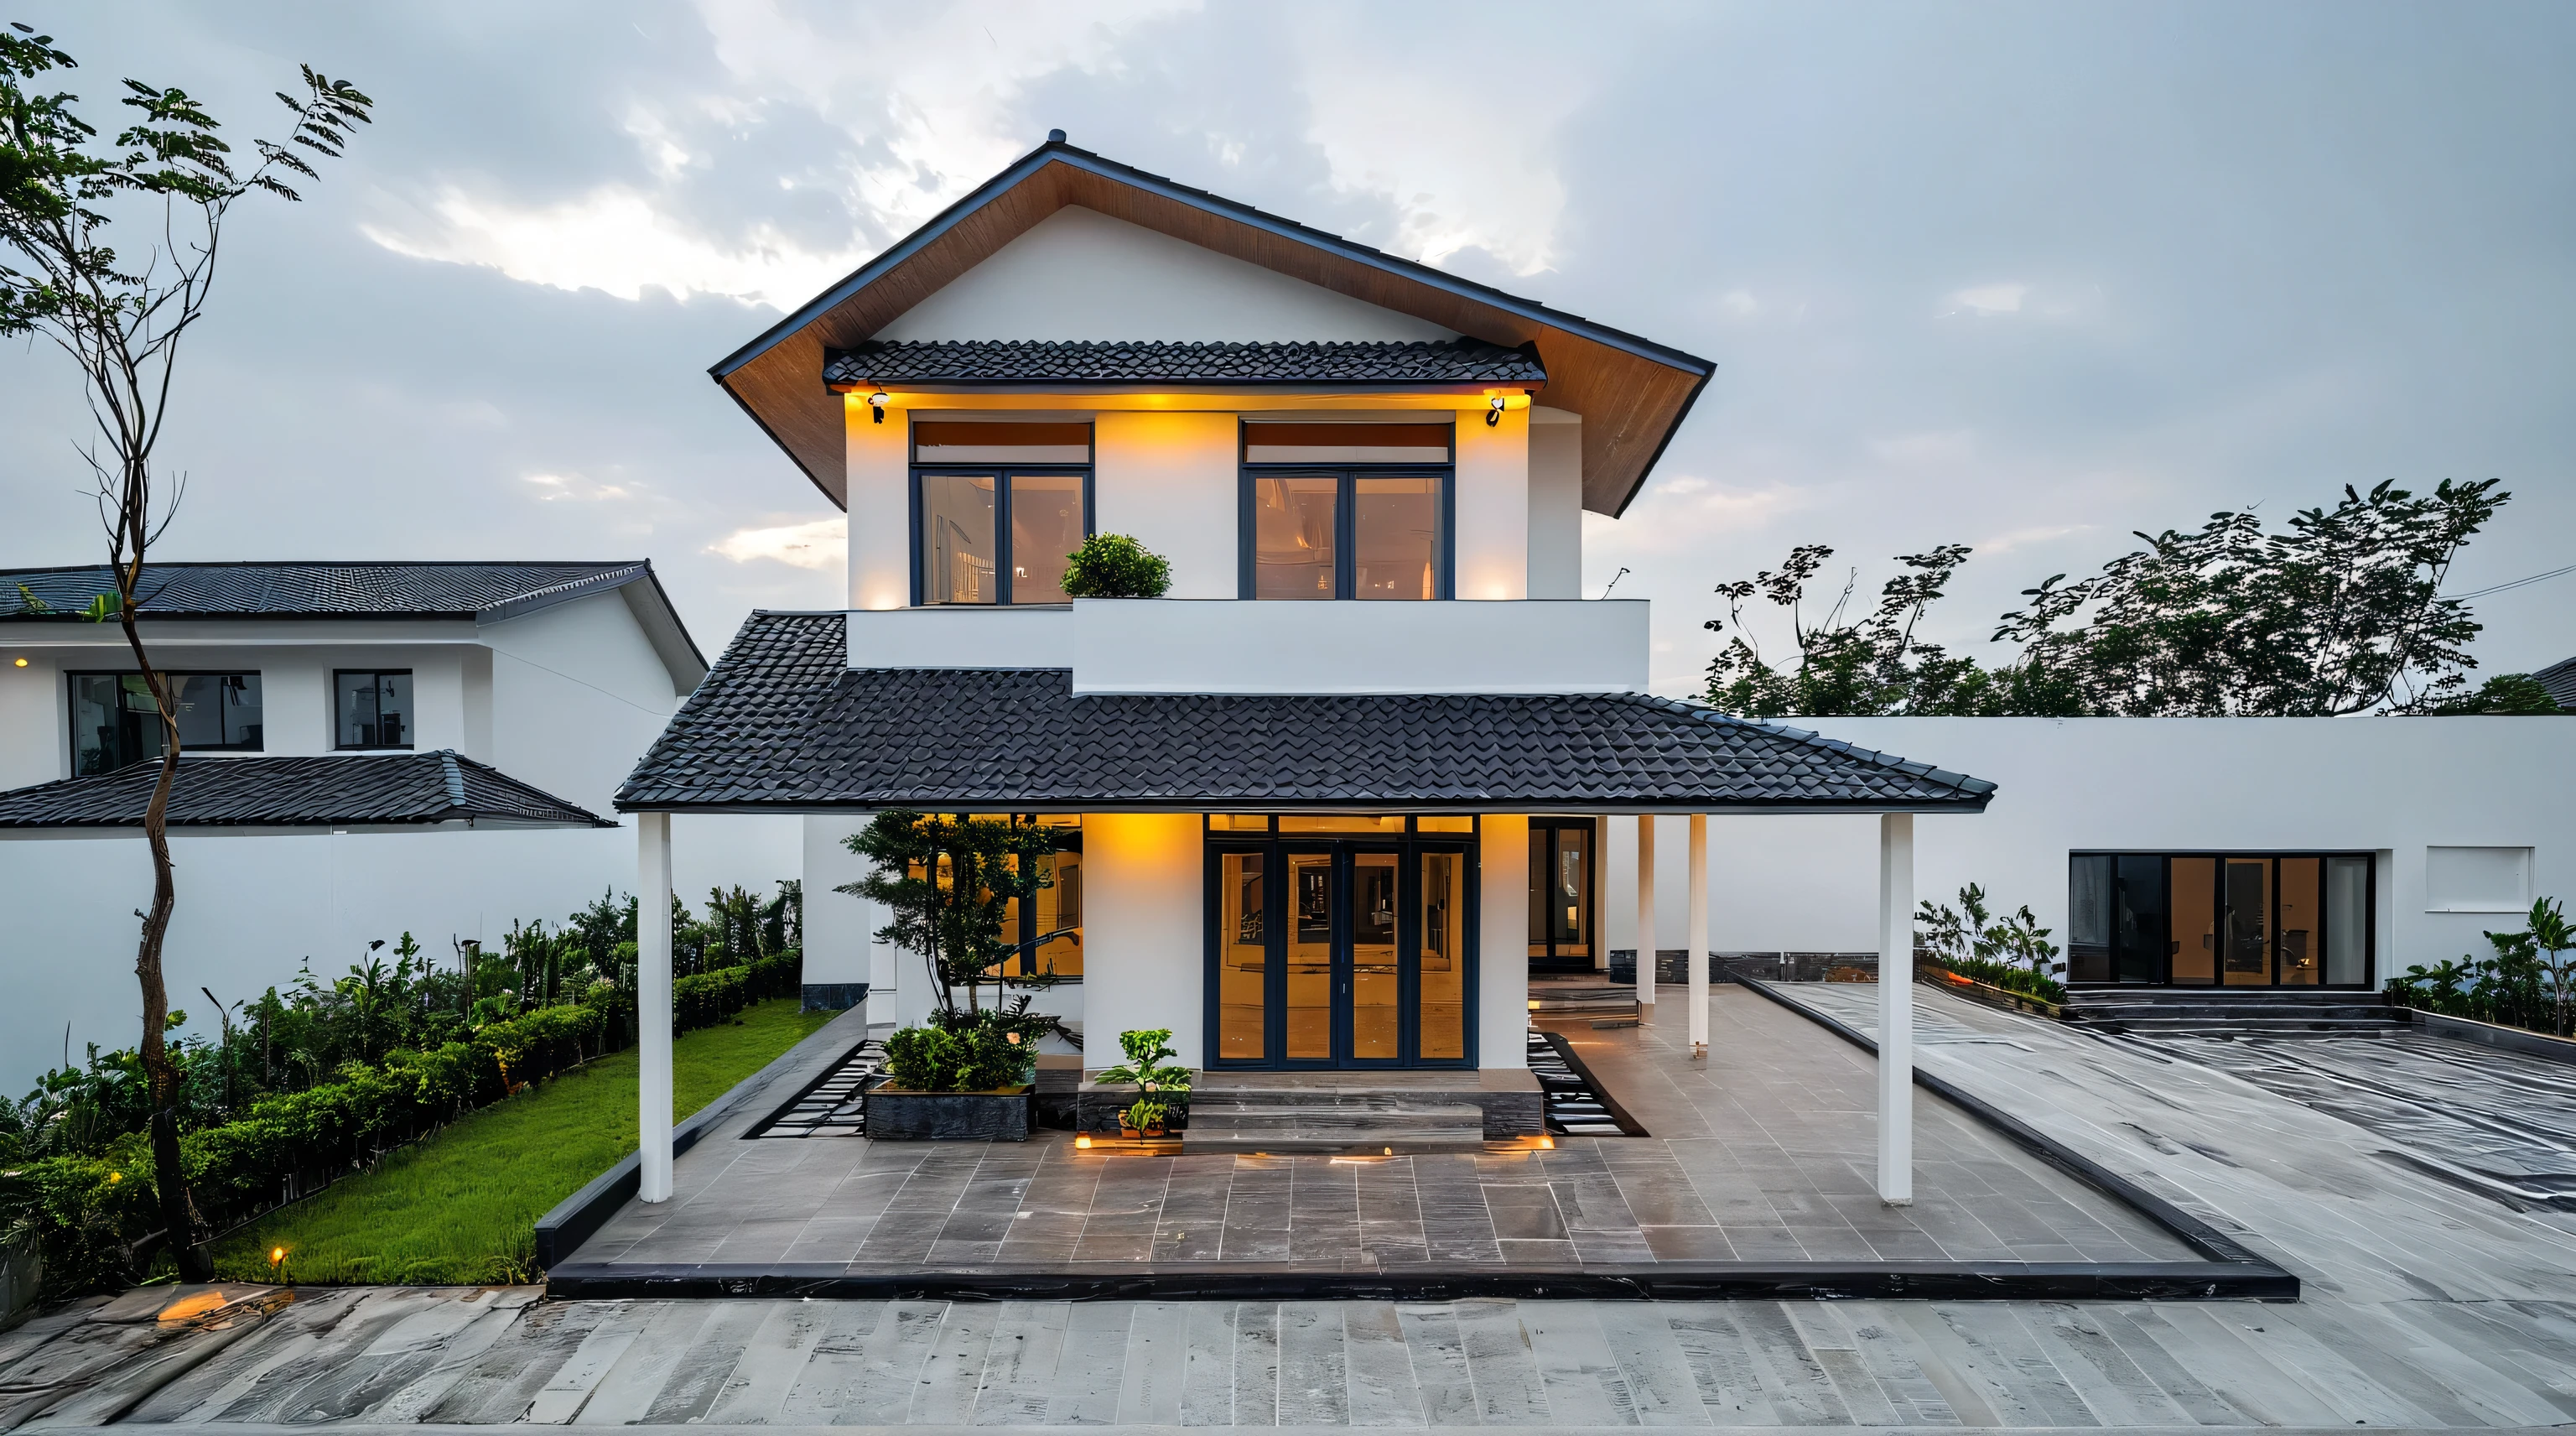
(950,882)
(2551,934)
(120,317)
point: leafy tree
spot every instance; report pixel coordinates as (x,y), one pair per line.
(949,882)
(1115,566)
(119,317)
(2503,695)
(2341,614)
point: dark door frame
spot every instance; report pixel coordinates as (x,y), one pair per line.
(1591,885)
(2271,858)
(1276,898)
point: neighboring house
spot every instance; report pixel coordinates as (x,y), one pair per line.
(365,748)
(2559,679)
(1332,801)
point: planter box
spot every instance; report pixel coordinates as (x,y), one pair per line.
(2494,1034)
(901,1115)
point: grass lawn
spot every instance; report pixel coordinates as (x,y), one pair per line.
(461,1207)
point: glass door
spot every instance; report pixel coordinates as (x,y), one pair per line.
(1340,954)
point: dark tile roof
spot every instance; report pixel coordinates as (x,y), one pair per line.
(486,591)
(2560,679)
(339,790)
(782,723)
(1463,361)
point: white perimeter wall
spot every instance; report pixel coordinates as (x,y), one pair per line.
(2394,786)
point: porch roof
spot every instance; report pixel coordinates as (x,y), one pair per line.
(782,724)
(255,791)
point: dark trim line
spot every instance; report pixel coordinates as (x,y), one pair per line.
(1059,152)
(2200,1236)
(1223,803)
(1672,1281)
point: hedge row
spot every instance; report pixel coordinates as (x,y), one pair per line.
(93,1217)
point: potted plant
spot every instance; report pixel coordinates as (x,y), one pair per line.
(1162,1089)
(1115,566)
(950,882)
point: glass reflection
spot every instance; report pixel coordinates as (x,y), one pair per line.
(1377,1000)
(1311,920)
(957,548)
(1441,983)
(1244,965)
(1046,527)
(1295,522)
(1395,536)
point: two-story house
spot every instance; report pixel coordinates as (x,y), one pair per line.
(366,748)
(1332,799)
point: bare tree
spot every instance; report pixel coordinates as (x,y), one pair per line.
(120,319)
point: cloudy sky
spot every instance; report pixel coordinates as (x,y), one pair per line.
(2021,277)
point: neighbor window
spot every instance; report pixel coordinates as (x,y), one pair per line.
(1048,930)
(115,722)
(2219,919)
(373,707)
(1346,510)
(998,509)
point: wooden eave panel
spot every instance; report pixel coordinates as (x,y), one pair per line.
(1628,402)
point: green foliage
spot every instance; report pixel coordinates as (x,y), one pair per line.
(1145,1115)
(2341,613)
(2513,695)
(1144,1066)
(950,883)
(2528,981)
(969,1057)
(1115,566)
(2009,950)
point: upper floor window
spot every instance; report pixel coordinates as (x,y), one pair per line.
(373,707)
(115,722)
(998,507)
(1346,510)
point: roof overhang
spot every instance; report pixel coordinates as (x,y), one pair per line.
(1632,392)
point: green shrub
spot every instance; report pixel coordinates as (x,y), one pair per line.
(1116,566)
(2008,977)
(975,1054)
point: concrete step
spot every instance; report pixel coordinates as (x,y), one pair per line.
(1208,1096)
(1392,1125)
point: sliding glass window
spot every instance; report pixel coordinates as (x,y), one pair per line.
(115,721)
(2220,919)
(1342,510)
(998,507)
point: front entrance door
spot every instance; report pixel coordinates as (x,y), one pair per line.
(1338,954)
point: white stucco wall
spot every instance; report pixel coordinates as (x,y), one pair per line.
(1162,646)
(2394,786)
(1555,504)
(1168,480)
(1493,502)
(1079,274)
(1144,884)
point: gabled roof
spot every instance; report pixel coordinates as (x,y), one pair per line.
(782,724)
(349,790)
(1047,361)
(1631,392)
(474,591)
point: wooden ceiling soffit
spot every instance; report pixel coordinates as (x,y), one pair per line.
(1631,402)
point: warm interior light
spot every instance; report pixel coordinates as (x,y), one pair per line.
(1533,1004)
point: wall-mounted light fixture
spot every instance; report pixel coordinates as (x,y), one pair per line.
(1498,403)
(877,404)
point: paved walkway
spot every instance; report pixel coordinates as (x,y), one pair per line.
(1763,1153)
(2428,1305)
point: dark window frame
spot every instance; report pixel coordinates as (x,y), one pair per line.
(1001,474)
(1275,846)
(1345,514)
(2272,859)
(412,720)
(71,711)
(1591,828)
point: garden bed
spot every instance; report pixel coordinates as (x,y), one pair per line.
(1987,993)
(1002,1114)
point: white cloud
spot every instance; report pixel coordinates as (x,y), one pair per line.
(2021,538)
(619,241)
(819,543)
(551,487)
(1990,299)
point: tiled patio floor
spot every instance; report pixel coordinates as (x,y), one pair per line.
(1762,1154)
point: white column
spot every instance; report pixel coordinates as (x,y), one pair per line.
(1646,908)
(1896,1009)
(1697,936)
(1502,935)
(653,1002)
